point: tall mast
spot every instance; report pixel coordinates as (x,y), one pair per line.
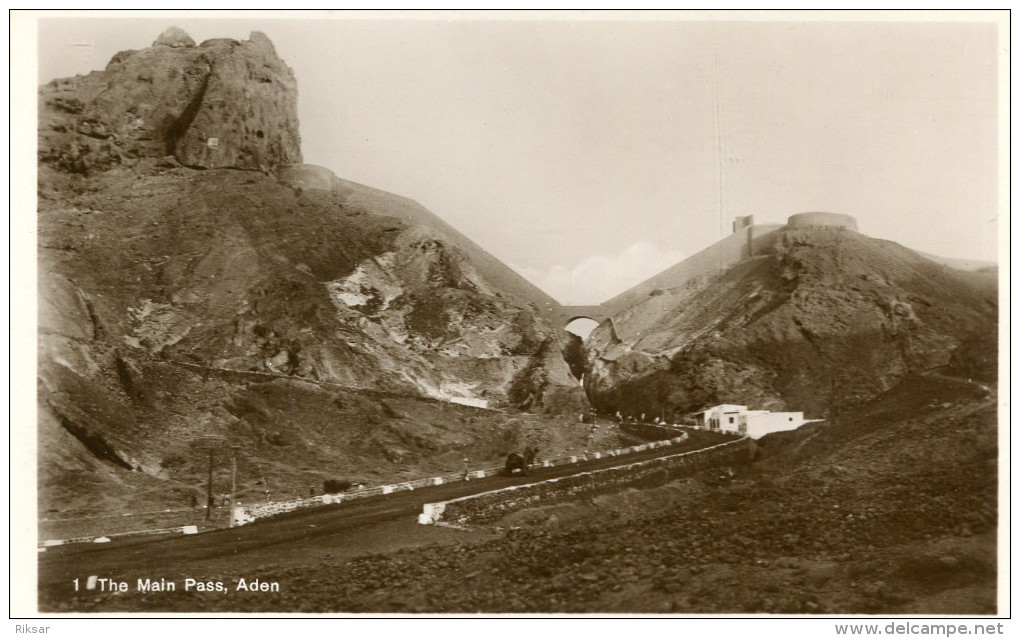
(718,135)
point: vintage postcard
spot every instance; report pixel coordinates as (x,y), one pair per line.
(512,313)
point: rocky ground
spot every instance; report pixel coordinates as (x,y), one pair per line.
(891,510)
(822,321)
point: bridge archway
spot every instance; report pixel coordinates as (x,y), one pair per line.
(581,325)
(567,315)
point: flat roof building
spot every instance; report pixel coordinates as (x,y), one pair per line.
(737,419)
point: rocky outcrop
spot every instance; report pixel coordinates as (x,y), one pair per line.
(828,318)
(174,37)
(223,104)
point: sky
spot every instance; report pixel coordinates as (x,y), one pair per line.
(590,154)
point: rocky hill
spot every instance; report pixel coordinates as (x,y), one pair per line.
(181,301)
(221,104)
(826,319)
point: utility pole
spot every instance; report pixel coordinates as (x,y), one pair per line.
(208,495)
(210,442)
(233,482)
(718,134)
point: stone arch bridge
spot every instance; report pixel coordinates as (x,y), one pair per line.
(566,314)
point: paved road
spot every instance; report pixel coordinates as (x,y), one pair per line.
(264,543)
(961,381)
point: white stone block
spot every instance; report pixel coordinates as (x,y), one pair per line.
(431,513)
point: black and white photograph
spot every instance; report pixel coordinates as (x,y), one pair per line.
(503,314)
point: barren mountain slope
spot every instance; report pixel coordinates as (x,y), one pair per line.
(177,304)
(828,319)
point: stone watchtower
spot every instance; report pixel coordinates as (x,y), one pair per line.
(745,223)
(742,221)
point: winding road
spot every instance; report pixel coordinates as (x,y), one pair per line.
(303,537)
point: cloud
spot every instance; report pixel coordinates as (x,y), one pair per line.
(599,278)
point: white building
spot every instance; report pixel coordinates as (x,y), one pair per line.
(722,417)
(754,423)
